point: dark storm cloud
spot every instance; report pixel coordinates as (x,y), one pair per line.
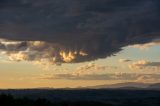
(99,28)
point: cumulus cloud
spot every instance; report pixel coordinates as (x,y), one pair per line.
(75,30)
(141,64)
(38,51)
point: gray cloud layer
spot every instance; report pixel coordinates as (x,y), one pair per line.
(99,28)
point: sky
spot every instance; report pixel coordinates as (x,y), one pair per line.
(76,43)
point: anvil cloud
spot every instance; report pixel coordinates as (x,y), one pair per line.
(74,31)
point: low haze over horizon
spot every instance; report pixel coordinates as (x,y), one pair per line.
(76,43)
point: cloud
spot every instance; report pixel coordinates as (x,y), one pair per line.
(124,60)
(92,68)
(148,78)
(119,77)
(37,51)
(141,64)
(75,30)
(138,64)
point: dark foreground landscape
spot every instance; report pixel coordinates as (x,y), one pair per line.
(83,97)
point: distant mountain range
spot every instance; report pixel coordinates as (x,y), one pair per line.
(127,85)
(101,93)
(154,86)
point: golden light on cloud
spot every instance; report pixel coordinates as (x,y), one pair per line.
(79,40)
(37,43)
(82,53)
(67,57)
(18,56)
(138,64)
(9,42)
(70,56)
(40,52)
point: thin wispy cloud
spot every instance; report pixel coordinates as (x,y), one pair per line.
(108,77)
(124,60)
